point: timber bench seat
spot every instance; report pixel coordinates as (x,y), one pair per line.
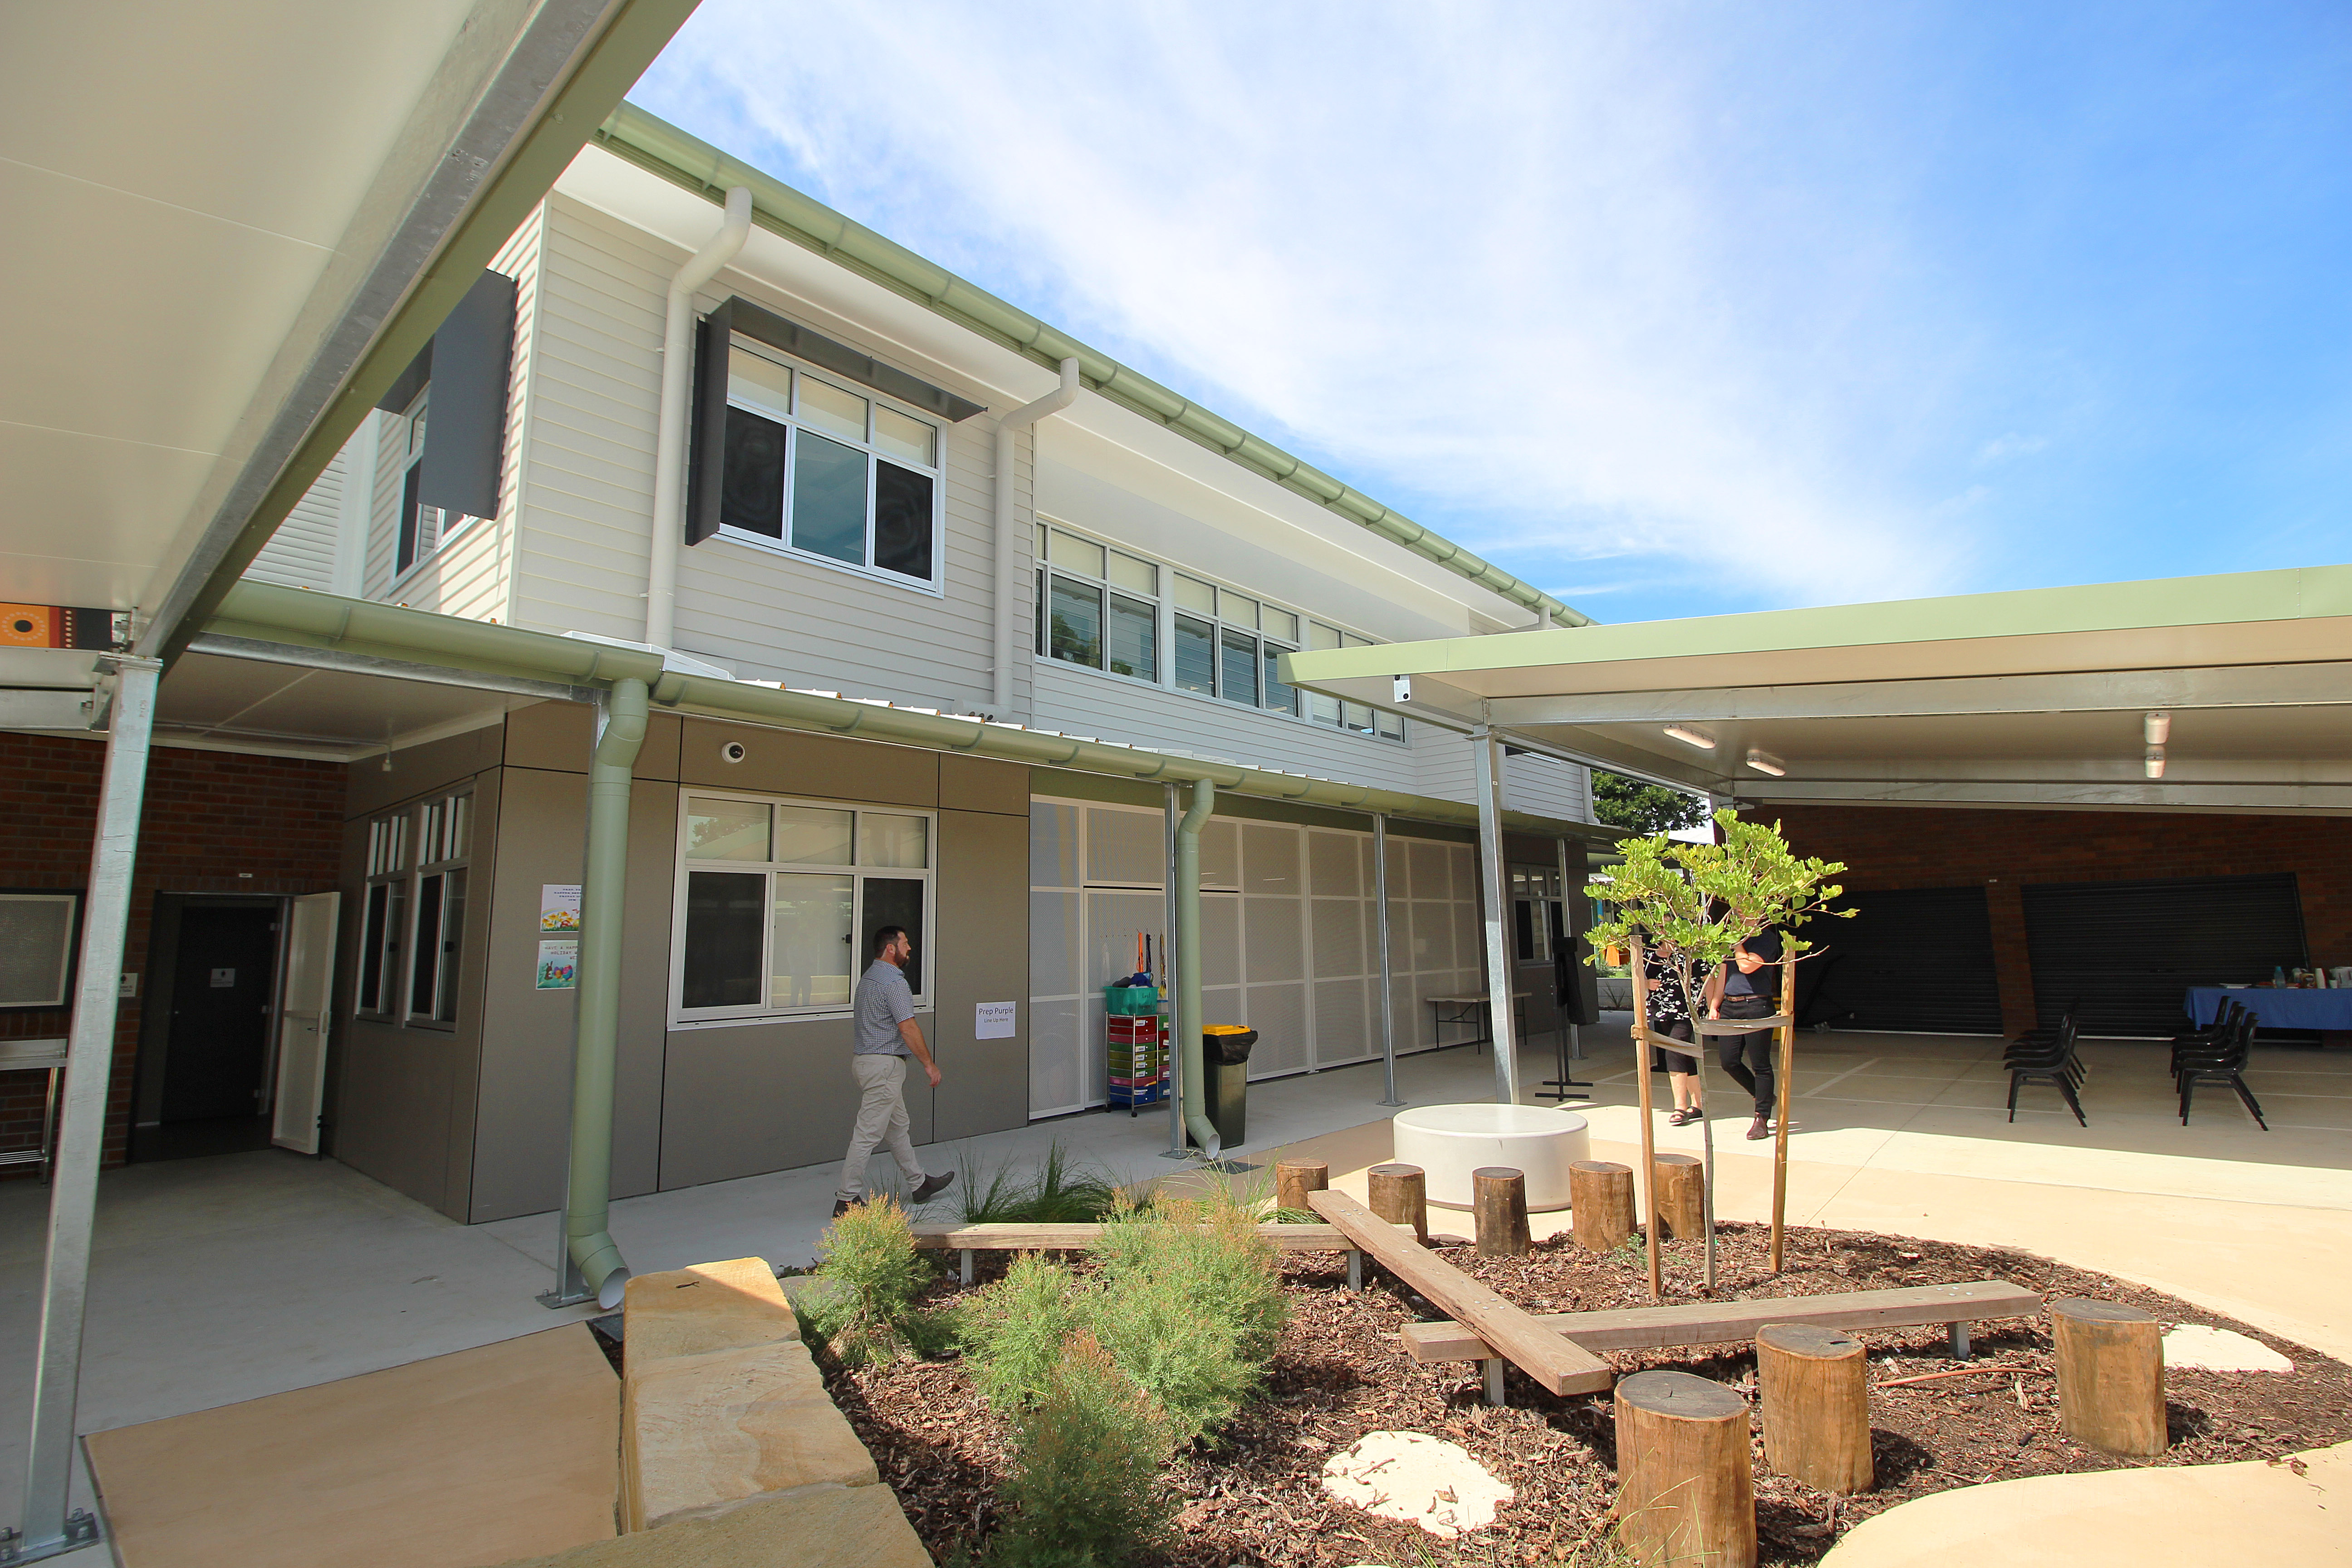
(1728,1322)
(1076,1237)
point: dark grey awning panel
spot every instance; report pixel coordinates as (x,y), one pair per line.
(743,316)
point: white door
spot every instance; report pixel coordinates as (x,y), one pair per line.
(302,1023)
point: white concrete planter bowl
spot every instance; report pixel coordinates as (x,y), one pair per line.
(1449,1141)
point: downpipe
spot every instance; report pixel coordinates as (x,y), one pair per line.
(1187,975)
(1008,542)
(588,1191)
(669,425)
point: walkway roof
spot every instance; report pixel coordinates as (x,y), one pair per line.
(235,225)
(2035,697)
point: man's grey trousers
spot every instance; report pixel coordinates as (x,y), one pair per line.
(881,1121)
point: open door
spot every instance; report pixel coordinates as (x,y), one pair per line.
(303,1022)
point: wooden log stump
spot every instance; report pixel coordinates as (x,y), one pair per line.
(1601,1203)
(2110,1375)
(1681,1195)
(1498,1202)
(1813,1384)
(1294,1179)
(1399,1194)
(1684,1493)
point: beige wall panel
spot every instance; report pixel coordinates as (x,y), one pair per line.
(555,736)
(658,758)
(762,1097)
(523,1127)
(983,956)
(786,762)
(473,979)
(978,784)
(420,770)
(397,1086)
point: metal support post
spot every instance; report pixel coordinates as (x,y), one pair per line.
(1959,1336)
(1502,1021)
(1388,998)
(81,1132)
(1174,1088)
(1493,1366)
(1355,1268)
(1571,1049)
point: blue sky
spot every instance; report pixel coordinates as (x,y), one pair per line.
(1672,309)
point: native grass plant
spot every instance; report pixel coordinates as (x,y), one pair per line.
(1692,904)
(1058,1190)
(1086,1489)
(863,1311)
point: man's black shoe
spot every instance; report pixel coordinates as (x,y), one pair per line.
(931,1187)
(840,1207)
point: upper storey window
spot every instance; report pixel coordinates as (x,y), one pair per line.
(828,471)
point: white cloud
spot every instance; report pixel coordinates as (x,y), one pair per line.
(2001,448)
(1510,270)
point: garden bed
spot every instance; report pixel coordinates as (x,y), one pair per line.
(1340,1372)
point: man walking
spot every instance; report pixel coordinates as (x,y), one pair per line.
(886,1035)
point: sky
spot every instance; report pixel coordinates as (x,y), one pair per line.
(1670,308)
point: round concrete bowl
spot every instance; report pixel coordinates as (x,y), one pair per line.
(1449,1141)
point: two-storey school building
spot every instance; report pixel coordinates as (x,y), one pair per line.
(936,599)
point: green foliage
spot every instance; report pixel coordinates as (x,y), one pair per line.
(1012,1331)
(1057,1191)
(1645,808)
(1694,903)
(1294,1216)
(865,1311)
(1186,1298)
(1085,1490)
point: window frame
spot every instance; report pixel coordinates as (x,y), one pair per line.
(409,529)
(795,425)
(1167,613)
(392,934)
(764,1010)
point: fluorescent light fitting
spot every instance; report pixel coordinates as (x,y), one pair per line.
(2157,728)
(2154,762)
(1766,762)
(1690,737)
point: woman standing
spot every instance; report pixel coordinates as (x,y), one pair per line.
(1750,987)
(1668,1012)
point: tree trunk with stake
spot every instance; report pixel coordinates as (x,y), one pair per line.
(1788,1051)
(1649,1134)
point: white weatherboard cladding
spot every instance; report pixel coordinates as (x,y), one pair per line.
(1288,937)
(1445,768)
(596,387)
(302,553)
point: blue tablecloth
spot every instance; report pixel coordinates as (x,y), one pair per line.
(2275,1009)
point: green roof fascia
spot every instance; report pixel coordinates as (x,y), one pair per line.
(661,148)
(2232,599)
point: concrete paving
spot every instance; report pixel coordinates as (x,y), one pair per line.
(231,1278)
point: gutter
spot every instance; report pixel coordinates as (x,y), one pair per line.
(265,612)
(659,148)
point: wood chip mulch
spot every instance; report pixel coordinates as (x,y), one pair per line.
(1341,1373)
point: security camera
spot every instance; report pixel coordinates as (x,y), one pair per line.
(1401,687)
(732,751)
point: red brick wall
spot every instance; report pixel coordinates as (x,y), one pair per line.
(208,816)
(1935,847)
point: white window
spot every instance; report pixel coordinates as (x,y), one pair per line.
(828,472)
(779,901)
(1101,606)
(36,948)
(412,916)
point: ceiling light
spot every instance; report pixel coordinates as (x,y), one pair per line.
(1764,762)
(2154,762)
(1690,737)
(2157,728)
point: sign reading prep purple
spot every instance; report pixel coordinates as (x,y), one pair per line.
(2274,1009)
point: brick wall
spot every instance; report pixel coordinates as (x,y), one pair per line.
(209,817)
(1933,847)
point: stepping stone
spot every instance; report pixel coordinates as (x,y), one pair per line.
(1414,1476)
(2221,1350)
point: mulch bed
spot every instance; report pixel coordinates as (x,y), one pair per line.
(1340,1372)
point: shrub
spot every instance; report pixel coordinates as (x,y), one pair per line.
(866,1310)
(1085,1490)
(1188,1301)
(1059,1191)
(1012,1331)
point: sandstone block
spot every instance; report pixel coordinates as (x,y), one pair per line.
(705,1433)
(819,1527)
(732,1305)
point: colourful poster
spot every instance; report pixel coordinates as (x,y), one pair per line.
(559,965)
(559,906)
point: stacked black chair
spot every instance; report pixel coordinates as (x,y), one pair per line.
(2220,1061)
(2214,1035)
(2048,1056)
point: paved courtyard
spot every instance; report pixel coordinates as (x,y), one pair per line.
(224,1279)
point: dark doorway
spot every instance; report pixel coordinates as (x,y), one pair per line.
(204,1057)
(2127,951)
(1917,961)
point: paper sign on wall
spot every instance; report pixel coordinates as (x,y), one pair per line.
(559,965)
(993,1020)
(559,906)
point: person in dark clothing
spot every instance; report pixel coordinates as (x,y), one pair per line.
(1750,987)
(1668,1013)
